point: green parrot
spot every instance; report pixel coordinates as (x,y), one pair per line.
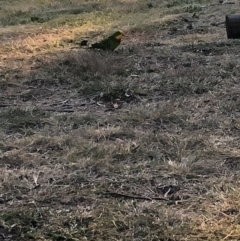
(109,43)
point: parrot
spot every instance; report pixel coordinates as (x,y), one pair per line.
(110,43)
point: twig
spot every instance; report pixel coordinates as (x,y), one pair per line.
(126,196)
(58,110)
(230,234)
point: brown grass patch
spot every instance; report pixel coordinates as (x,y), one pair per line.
(137,144)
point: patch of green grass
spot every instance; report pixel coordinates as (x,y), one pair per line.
(23,223)
(54,13)
(18,120)
(16,18)
(53,19)
(174,3)
(193,9)
(76,121)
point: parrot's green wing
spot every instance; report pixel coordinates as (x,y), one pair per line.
(106,44)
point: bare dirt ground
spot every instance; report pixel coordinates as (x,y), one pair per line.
(138,144)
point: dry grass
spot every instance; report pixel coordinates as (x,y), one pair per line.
(138,144)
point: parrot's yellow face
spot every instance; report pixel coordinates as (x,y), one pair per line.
(119,35)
